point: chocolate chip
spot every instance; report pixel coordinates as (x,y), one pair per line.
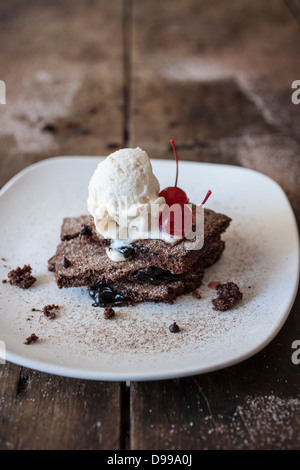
(174,328)
(65,262)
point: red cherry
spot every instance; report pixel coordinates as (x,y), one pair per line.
(179,222)
(176,220)
(173,194)
(213,284)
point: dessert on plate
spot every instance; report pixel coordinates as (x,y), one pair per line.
(137,243)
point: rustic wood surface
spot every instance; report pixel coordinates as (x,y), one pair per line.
(41,411)
(85,77)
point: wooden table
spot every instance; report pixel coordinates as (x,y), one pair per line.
(85,77)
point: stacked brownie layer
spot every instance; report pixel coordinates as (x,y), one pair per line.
(152,271)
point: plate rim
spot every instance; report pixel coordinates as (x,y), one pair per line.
(164,375)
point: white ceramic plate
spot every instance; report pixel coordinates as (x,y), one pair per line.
(261,256)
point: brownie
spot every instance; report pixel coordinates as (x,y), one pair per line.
(89,263)
(176,258)
(51,264)
(163,292)
(131,293)
(109,313)
(153,270)
(50,311)
(21,277)
(72,226)
(31,339)
(228,295)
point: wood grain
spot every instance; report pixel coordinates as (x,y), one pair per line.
(253,405)
(45,412)
(217,79)
(62,63)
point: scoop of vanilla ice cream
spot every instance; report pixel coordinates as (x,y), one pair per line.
(121,191)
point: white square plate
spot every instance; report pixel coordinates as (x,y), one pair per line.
(261,256)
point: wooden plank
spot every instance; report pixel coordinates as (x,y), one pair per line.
(201,76)
(217,79)
(62,63)
(253,405)
(44,412)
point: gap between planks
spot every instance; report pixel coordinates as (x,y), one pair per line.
(127,64)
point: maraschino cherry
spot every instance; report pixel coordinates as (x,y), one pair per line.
(173,194)
(179,226)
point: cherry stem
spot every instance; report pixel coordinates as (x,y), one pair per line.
(203,202)
(176,158)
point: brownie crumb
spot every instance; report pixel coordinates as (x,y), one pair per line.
(21,277)
(174,328)
(65,262)
(109,313)
(51,264)
(228,295)
(4,281)
(50,311)
(31,339)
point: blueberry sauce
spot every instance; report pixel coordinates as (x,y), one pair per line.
(105,296)
(86,230)
(155,276)
(118,252)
